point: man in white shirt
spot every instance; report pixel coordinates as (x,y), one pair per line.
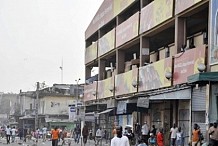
(98,135)
(145,132)
(8,134)
(44,132)
(13,134)
(120,140)
(173,132)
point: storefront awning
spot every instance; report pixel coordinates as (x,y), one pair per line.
(106,111)
(203,77)
(178,94)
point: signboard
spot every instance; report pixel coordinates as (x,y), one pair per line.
(91,52)
(121,107)
(72,112)
(182,5)
(152,76)
(213,41)
(107,11)
(186,64)
(104,88)
(123,82)
(106,43)
(127,30)
(155,13)
(143,102)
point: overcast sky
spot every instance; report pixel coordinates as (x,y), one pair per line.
(34,37)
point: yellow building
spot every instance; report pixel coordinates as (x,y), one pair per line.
(156,62)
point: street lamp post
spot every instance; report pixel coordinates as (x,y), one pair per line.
(37,106)
(77,100)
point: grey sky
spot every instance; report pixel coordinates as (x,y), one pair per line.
(34,37)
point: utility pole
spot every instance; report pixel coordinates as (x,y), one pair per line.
(37,107)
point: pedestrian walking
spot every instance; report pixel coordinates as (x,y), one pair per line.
(141,143)
(85,133)
(98,135)
(172,135)
(145,132)
(8,134)
(114,133)
(179,137)
(120,140)
(44,133)
(154,130)
(138,132)
(213,134)
(160,137)
(77,132)
(55,136)
(195,135)
(152,140)
(13,134)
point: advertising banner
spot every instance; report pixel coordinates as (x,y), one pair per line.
(213,41)
(107,11)
(147,18)
(182,5)
(123,82)
(106,43)
(88,92)
(152,76)
(104,87)
(127,30)
(163,10)
(155,13)
(186,64)
(120,5)
(91,53)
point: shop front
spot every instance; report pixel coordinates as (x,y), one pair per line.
(169,108)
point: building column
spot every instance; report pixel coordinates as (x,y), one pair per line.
(180,33)
(144,51)
(120,59)
(101,75)
(88,72)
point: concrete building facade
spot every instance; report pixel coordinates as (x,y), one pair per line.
(156,61)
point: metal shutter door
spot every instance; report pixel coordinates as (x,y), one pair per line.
(199,99)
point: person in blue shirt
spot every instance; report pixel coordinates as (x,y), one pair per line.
(141,143)
(152,140)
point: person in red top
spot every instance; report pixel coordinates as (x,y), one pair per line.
(55,136)
(160,138)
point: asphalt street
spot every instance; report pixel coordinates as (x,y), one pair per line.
(47,143)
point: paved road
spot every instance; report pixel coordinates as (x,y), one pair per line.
(47,143)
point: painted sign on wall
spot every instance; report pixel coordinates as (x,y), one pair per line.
(186,64)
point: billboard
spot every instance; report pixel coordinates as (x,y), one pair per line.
(123,82)
(91,53)
(107,11)
(88,92)
(182,5)
(104,87)
(152,76)
(127,30)
(186,64)
(106,43)
(155,13)
(213,38)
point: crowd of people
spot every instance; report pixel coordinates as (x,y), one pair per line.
(155,137)
(142,135)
